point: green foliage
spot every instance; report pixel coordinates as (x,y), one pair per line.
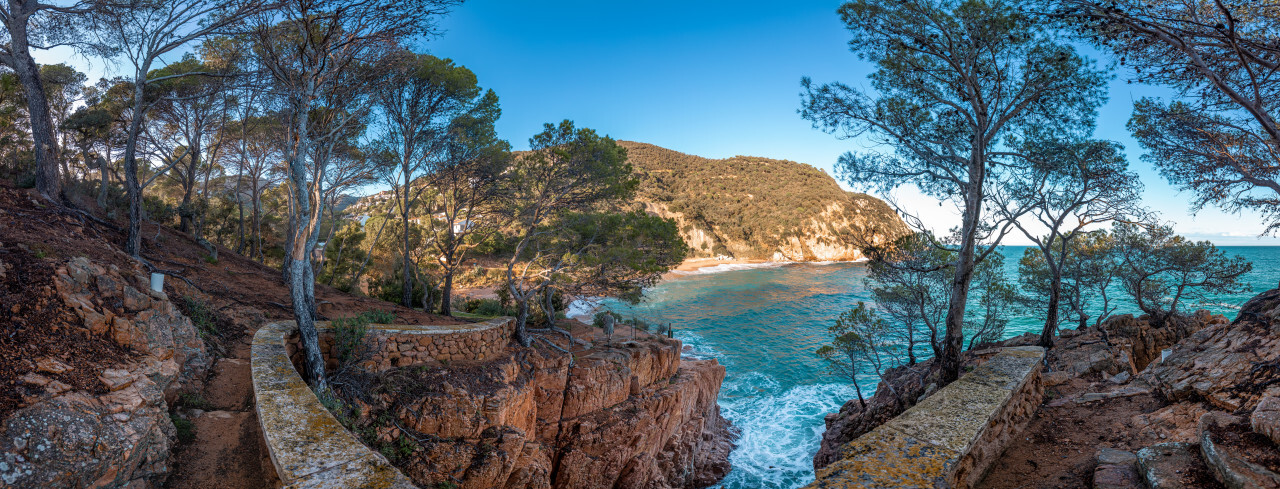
(346,414)
(186,429)
(859,342)
(753,204)
(343,256)
(911,284)
(997,300)
(621,253)
(487,308)
(1161,270)
(194,401)
(350,338)
(1088,272)
(200,315)
(378,316)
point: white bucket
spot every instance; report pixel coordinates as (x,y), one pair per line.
(157,282)
(1165,354)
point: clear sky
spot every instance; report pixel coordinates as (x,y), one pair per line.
(716,79)
(712,78)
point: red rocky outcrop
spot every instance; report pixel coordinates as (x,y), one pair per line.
(631,415)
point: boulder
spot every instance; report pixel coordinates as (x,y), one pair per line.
(1232,366)
(119,437)
(1266,418)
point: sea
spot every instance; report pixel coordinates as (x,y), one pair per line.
(763,322)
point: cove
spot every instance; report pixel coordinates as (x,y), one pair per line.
(763,324)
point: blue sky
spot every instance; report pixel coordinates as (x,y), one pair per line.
(717,79)
(712,78)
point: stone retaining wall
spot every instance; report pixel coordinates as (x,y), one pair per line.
(950,439)
(410,345)
(308,447)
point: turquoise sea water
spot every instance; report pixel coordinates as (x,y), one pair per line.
(764,324)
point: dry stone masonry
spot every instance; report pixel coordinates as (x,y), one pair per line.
(409,345)
(950,438)
(308,447)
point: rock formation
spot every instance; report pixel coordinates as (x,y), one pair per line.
(118,434)
(630,414)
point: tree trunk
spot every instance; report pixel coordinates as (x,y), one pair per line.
(133,242)
(186,215)
(1051,314)
(446,292)
(406,296)
(522,316)
(548,306)
(106,182)
(41,122)
(306,322)
(953,339)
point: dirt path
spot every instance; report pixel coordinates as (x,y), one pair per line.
(227,452)
(1057,449)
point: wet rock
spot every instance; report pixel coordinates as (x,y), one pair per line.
(1224,439)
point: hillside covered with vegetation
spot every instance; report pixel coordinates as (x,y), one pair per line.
(751,207)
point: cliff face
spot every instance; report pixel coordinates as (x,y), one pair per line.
(630,414)
(100,421)
(759,208)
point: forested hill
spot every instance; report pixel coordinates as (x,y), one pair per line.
(750,207)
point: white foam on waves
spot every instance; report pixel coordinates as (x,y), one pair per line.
(780,431)
(729,267)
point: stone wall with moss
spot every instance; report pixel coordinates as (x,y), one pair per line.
(308,446)
(950,438)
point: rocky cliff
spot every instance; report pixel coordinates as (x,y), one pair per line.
(628,414)
(758,208)
(97,418)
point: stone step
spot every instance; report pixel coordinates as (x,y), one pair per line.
(1116,469)
(1175,466)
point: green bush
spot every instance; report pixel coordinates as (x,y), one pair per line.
(349,335)
(379,317)
(186,429)
(201,316)
(490,307)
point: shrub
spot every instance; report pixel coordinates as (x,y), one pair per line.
(379,317)
(490,307)
(195,401)
(186,429)
(349,335)
(201,316)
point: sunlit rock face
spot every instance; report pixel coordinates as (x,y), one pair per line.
(630,414)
